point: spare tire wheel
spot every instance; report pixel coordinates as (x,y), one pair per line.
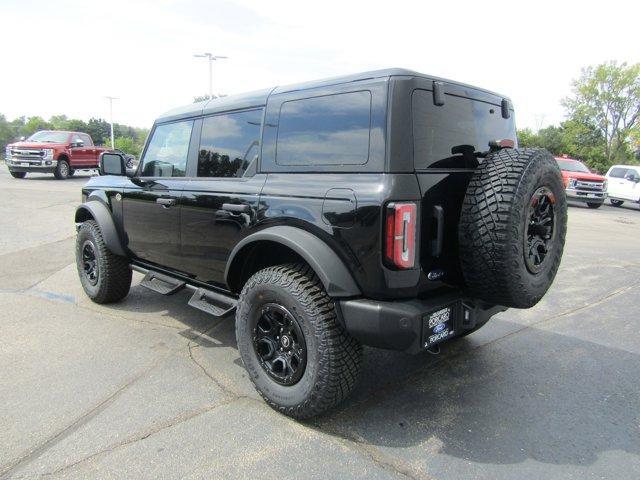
(512,227)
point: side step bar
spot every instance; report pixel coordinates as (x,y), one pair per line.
(213,303)
(209,301)
(161,283)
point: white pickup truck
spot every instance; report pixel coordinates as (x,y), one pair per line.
(624,184)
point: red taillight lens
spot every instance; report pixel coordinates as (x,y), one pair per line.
(400,235)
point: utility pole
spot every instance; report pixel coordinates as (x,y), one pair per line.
(212,58)
(111,99)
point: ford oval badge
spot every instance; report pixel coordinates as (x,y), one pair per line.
(436,274)
(440,327)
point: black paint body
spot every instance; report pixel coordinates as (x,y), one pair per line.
(341,204)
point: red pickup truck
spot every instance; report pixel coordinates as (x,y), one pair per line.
(52,151)
(581,185)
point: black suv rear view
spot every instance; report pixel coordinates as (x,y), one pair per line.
(389,209)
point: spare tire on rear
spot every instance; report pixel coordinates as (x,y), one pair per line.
(512,227)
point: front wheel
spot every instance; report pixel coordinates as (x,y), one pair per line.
(299,357)
(616,203)
(62,170)
(594,205)
(105,277)
(18,174)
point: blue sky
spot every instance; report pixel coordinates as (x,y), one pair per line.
(63,57)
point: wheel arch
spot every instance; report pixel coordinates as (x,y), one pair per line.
(98,211)
(63,156)
(282,244)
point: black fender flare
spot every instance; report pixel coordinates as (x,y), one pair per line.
(331,270)
(102,215)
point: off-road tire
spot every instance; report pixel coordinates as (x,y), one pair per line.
(62,170)
(494,221)
(114,273)
(594,205)
(333,356)
(18,174)
(616,203)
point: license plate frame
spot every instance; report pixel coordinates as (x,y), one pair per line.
(440,324)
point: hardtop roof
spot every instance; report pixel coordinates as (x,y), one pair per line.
(259,97)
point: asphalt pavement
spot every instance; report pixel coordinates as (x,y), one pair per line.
(151,388)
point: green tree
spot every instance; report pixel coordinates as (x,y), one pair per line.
(606,99)
(34,124)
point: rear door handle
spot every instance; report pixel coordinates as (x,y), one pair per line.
(166,202)
(237,208)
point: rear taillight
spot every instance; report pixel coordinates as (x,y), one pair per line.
(400,235)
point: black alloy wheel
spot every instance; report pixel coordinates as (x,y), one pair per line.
(90,267)
(541,223)
(279,344)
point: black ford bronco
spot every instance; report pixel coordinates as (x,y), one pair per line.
(390,209)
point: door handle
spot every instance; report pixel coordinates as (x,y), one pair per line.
(237,208)
(166,202)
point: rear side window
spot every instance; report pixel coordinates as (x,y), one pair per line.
(327,130)
(618,172)
(166,155)
(446,136)
(229,143)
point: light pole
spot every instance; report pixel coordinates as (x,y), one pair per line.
(212,58)
(111,99)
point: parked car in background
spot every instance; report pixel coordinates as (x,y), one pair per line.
(52,151)
(624,184)
(581,185)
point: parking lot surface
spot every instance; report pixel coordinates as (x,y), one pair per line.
(151,388)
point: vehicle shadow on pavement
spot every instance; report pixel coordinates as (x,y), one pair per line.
(534,395)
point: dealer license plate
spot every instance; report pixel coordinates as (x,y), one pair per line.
(438,326)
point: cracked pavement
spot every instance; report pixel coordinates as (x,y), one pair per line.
(152,388)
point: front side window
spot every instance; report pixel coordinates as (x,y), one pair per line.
(86,139)
(618,172)
(229,143)
(166,154)
(327,130)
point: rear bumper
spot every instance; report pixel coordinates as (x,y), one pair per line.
(585,195)
(404,325)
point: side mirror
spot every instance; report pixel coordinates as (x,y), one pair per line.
(22,139)
(79,143)
(112,164)
(632,178)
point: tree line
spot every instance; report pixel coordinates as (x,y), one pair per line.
(602,125)
(126,138)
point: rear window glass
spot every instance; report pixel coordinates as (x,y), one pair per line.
(446,136)
(618,172)
(327,130)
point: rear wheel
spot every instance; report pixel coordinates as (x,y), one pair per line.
(18,174)
(297,354)
(512,227)
(594,205)
(105,277)
(616,203)
(62,170)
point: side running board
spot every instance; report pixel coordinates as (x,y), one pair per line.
(209,301)
(161,283)
(213,303)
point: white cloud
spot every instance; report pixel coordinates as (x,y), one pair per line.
(64,56)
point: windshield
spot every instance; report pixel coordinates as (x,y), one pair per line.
(572,166)
(49,137)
